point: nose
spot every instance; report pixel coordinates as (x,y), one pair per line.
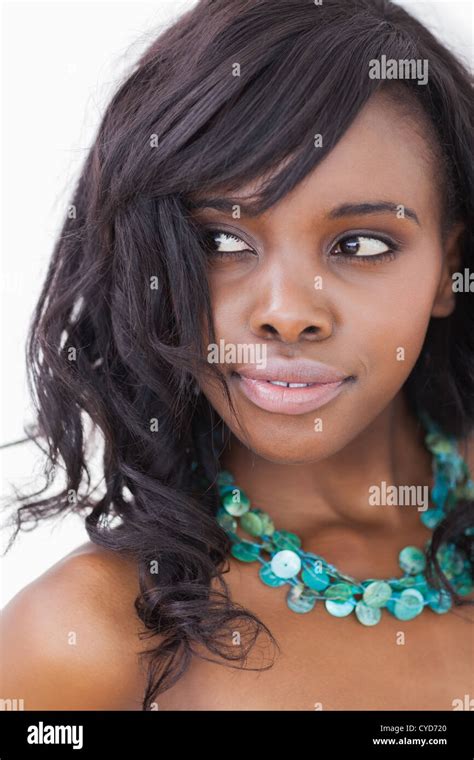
(291,313)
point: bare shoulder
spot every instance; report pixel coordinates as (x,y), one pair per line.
(70,638)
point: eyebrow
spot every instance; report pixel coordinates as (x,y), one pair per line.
(345,209)
(377,207)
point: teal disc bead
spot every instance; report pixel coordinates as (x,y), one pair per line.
(251,523)
(367,615)
(339,609)
(225,489)
(376,595)
(412,581)
(451,560)
(431,518)
(318,581)
(463,584)
(245,552)
(236,503)
(412,560)
(268,576)
(409,605)
(449,572)
(300,602)
(283,539)
(440,490)
(340,592)
(285,564)
(439,601)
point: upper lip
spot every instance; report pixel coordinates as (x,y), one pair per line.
(293,371)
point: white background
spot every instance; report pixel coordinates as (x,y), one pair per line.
(61,63)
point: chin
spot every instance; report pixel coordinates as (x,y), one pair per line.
(285,449)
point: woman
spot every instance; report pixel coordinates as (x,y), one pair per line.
(252,300)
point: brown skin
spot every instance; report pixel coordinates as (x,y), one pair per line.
(312,484)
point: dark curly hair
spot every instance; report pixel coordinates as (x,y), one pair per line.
(116,339)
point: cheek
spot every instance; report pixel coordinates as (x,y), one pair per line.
(229,308)
(386,323)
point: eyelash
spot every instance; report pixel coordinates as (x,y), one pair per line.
(385,256)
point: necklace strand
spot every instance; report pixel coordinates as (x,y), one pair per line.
(311,578)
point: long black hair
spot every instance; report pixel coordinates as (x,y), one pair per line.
(234,89)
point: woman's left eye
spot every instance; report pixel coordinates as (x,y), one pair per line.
(364,247)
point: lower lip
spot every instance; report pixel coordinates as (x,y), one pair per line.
(284,400)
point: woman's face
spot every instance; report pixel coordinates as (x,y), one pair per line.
(346,270)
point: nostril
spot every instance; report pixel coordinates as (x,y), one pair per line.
(270,329)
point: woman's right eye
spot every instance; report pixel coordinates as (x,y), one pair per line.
(225,244)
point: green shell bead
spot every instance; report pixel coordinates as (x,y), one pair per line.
(268,576)
(376,595)
(244,551)
(409,605)
(300,602)
(226,521)
(367,615)
(465,491)
(236,503)
(412,560)
(368,581)
(251,523)
(439,444)
(449,572)
(268,528)
(411,581)
(340,592)
(283,539)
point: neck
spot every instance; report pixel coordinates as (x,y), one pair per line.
(334,492)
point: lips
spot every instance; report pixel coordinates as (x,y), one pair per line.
(321,383)
(294,371)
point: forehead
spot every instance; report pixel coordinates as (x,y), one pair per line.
(382,156)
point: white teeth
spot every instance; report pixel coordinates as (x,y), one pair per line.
(289,385)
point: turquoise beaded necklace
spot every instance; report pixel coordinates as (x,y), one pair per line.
(311,578)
